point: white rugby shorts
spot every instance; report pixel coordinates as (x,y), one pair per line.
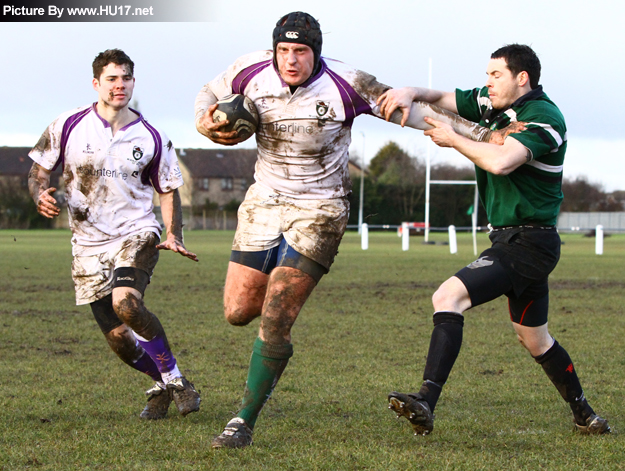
(313,227)
(93,274)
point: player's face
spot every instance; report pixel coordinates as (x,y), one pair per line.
(115,86)
(503,87)
(295,62)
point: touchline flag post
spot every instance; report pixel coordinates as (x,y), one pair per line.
(59,11)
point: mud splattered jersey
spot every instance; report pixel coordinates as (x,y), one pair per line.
(109,180)
(303,137)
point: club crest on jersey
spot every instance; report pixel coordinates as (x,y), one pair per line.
(322,108)
(88,149)
(292,34)
(137,152)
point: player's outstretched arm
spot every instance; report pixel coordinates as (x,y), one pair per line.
(400,106)
(496,159)
(420,110)
(402,98)
(40,191)
(171,210)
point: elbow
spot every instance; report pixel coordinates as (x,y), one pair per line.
(500,170)
(504,168)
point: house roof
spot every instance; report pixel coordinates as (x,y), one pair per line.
(219,163)
(202,163)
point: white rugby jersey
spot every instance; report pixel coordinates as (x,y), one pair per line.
(303,138)
(109,180)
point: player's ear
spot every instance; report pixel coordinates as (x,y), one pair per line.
(523,78)
(96,84)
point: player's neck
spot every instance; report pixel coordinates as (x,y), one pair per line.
(117,118)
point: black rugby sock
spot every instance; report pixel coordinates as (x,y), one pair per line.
(559,368)
(444,349)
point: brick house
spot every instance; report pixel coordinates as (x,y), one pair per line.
(217,175)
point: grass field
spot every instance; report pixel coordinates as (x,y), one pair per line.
(67,403)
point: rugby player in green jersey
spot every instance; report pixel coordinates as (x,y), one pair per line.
(520,186)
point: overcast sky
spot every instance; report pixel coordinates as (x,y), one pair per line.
(581,44)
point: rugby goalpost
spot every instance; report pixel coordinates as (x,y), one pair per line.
(363,228)
(429,182)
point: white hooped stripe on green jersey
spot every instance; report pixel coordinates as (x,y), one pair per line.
(511,114)
(484,101)
(550,130)
(545,167)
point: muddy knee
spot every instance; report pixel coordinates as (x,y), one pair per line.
(129,309)
(276,329)
(240,316)
(123,343)
(132,311)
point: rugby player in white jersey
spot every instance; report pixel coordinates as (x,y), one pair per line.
(293,217)
(112,162)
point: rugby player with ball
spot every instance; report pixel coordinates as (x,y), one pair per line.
(294,215)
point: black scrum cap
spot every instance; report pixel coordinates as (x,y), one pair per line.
(301,28)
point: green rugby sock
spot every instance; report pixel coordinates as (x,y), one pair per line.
(266,366)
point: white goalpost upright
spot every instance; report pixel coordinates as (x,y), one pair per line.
(429,181)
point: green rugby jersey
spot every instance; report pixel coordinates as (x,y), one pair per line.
(533,192)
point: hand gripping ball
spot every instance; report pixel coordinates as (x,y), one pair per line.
(241,114)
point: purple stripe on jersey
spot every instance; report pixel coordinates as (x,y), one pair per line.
(150,172)
(353,103)
(244,77)
(104,121)
(134,122)
(316,77)
(68,127)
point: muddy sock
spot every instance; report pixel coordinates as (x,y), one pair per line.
(159,351)
(559,368)
(429,392)
(444,349)
(266,366)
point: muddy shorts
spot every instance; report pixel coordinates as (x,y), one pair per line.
(93,274)
(313,228)
(517,265)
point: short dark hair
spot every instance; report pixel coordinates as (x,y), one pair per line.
(115,56)
(520,58)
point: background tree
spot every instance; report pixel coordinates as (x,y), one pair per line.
(395,191)
(17,208)
(583,196)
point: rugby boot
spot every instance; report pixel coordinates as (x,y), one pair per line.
(185,396)
(595,425)
(413,408)
(158,403)
(237,434)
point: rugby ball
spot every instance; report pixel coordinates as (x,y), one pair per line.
(241,114)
